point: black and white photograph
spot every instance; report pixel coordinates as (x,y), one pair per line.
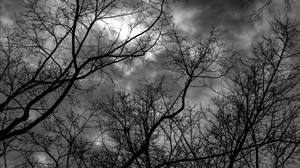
(149,83)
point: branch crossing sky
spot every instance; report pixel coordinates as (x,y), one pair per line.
(194,18)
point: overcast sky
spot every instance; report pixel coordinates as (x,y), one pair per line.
(194,18)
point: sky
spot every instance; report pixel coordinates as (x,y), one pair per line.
(195,19)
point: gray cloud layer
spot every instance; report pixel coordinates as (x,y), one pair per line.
(227,15)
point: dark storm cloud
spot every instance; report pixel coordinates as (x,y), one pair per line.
(227,15)
(196,17)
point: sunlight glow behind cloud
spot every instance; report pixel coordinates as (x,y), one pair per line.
(103,139)
(182,19)
(42,159)
(122,27)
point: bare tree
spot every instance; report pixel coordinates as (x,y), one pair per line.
(61,141)
(255,120)
(143,128)
(257,116)
(140,123)
(261,8)
(53,45)
(52,48)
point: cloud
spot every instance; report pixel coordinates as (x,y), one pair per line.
(200,15)
(8,8)
(183,20)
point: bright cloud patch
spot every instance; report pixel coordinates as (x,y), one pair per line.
(42,159)
(122,27)
(103,139)
(182,18)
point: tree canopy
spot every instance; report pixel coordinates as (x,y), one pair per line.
(64,102)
